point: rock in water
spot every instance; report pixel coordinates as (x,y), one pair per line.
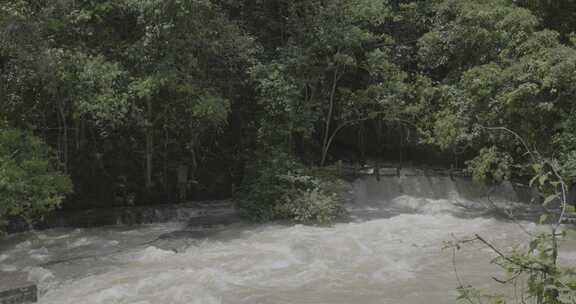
(16,289)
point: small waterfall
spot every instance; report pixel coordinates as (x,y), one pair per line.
(369,188)
(390,253)
(414,192)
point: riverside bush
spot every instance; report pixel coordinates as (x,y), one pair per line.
(490,166)
(283,189)
(30,183)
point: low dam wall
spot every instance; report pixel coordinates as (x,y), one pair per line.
(210,213)
(205,213)
(522,192)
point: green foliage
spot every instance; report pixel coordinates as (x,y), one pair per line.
(566,143)
(310,84)
(491,166)
(119,86)
(280,97)
(538,268)
(525,82)
(282,189)
(449,130)
(107,80)
(555,15)
(312,206)
(96,89)
(30,182)
(541,279)
(471,32)
(547,282)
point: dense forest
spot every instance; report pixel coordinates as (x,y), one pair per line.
(124,102)
(109,103)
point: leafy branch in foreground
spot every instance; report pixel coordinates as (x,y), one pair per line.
(547,281)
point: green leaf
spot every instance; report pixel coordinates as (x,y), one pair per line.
(543,219)
(542,179)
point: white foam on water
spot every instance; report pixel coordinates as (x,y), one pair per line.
(8,268)
(112,243)
(394,260)
(83,241)
(40,257)
(153,254)
(24,245)
(39,274)
(569,258)
(46,237)
(411,204)
(43,277)
(397,258)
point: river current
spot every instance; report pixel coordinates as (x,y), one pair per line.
(391,251)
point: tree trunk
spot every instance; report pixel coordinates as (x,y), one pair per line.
(362,143)
(165,154)
(64,152)
(149,156)
(149,145)
(396,5)
(182,180)
(401,145)
(326,143)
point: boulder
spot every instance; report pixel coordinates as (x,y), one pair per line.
(16,289)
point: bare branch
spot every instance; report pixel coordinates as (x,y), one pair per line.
(518,137)
(543,269)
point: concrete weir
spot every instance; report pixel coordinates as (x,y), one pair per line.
(202,213)
(16,289)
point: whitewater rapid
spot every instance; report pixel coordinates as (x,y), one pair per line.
(390,252)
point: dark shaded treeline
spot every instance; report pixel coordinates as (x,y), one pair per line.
(167,100)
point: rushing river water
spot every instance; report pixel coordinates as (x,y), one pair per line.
(390,252)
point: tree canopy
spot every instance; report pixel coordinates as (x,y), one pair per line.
(132,94)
